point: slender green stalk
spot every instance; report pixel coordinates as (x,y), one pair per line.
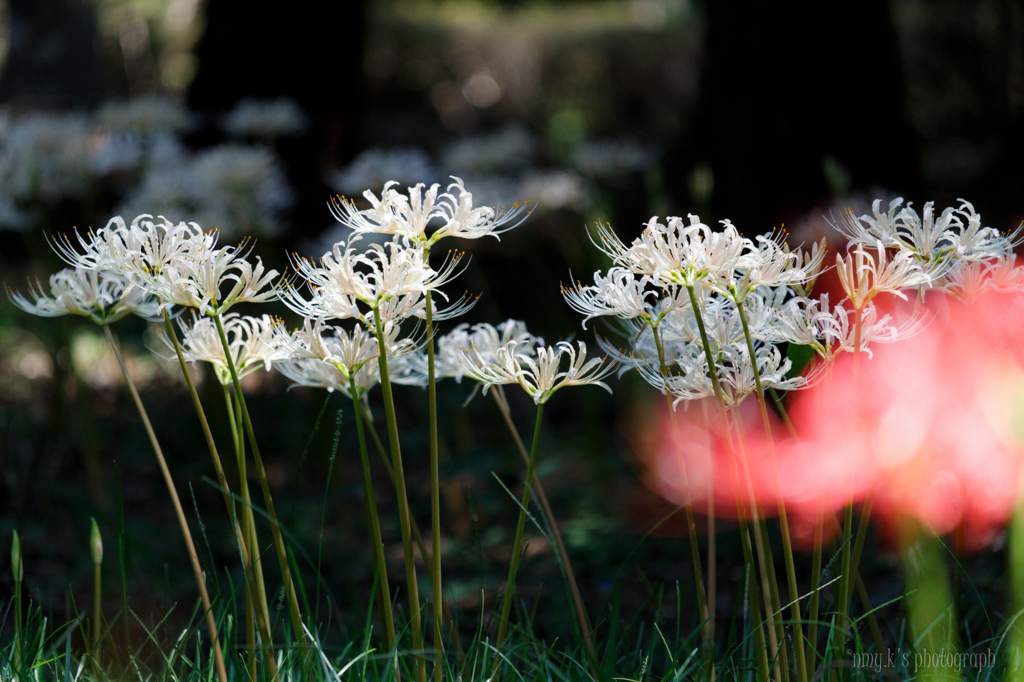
(211,624)
(379,563)
(18,569)
(245,547)
(257,609)
(1016,559)
(705,613)
(720,400)
(435,494)
(769,590)
(417,536)
(787,545)
(517,543)
(812,616)
(403,500)
(282,553)
(928,600)
(843,596)
(760,649)
(96,545)
(574,590)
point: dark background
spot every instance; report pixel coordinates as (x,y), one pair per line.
(763,113)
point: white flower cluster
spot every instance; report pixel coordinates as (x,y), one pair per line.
(266,120)
(132,153)
(382,286)
(386,284)
(739,285)
(236,190)
(952,252)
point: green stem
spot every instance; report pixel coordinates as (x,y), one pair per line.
(703,597)
(435,494)
(275,527)
(18,569)
(1016,559)
(97,614)
(417,536)
(379,563)
(517,543)
(812,616)
(403,500)
(574,590)
(197,571)
(843,595)
(928,599)
(258,611)
(245,548)
(787,545)
(769,591)
(727,438)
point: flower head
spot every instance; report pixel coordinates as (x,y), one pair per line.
(539,373)
(103,297)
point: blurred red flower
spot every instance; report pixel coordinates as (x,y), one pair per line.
(930,428)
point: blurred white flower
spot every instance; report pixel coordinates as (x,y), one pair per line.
(555,189)
(510,149)
(237,190)
(374,167)
(103,297)
(46,157)
(265,119)
(612,159)
(146,115)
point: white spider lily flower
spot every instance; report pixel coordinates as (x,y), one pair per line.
(689,381)
(462,220)
(411,215)
(867,229)
(770,264)
(873,329)
(253,342)
(801,321)
(389,279)
(659,247)
(315,374)
(975,242)
(139,251)
(346,350)
(103,297)
(618,293)
(812,260)
(198,279)
(737,374)
(484,339)
(538,373)
(863,277)
(967,280)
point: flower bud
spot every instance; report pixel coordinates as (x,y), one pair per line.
(96,543)
(16,566)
